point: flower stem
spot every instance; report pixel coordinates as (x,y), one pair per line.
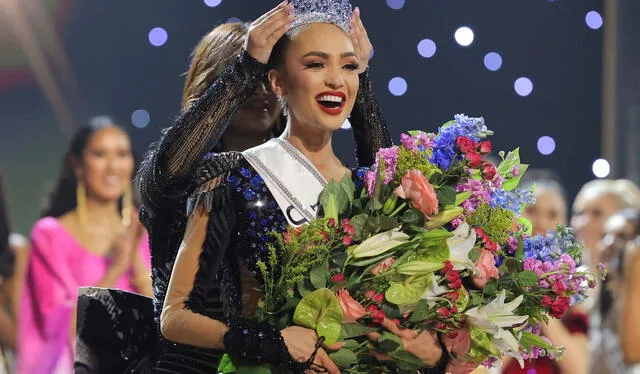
(398,209)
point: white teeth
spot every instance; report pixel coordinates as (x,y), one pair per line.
(335,99)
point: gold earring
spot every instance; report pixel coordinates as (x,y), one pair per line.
(81,202)
(127,205)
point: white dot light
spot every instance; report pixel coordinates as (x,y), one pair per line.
(464,36)
(523,86)
(212,3)
(397,86)
(601,168)
(427,48)
(546,145)
(140,118)
(158,36)
(593,20)
(346,125)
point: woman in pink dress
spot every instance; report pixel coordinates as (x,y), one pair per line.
(89,236)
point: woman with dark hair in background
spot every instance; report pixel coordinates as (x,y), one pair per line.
(89,235)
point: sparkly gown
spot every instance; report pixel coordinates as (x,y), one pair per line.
(178,177)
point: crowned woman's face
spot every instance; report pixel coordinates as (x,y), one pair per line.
(319,81)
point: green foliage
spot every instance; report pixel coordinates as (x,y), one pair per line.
(420,160)
(320,310)
(496,222)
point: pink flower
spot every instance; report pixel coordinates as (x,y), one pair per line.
(488,170)
(337,278)
(485,269)
(331,222)
(378,298)
(383,266)
(474,159)
(378,316)
(465,144)
(353,311)
(485,147)
(370,294)
(347,240)
(443,312)
(416,187)
(515,171)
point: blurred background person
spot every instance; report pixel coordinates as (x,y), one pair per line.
(615,343)
(89,235)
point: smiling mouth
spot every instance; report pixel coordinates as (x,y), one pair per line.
(331,102)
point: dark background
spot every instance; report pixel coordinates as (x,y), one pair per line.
(118,71)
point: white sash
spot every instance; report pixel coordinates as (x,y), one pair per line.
(292,179)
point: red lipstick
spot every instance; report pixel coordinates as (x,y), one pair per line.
(328,102)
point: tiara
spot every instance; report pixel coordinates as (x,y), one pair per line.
(337,12)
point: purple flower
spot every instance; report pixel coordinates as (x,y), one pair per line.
(390,157)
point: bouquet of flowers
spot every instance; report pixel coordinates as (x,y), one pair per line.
(428,238)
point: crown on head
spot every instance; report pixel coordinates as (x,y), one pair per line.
(337,12)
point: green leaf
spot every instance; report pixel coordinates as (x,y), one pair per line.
(352,330)
(344,358)
(388,342)
(376,200)
(408,292)
(436,179)
(412,216)
(226,365)
(435,235)
(419,267)
(336,198)
(320,310)
(383,223)
(462,197)
(446,195)
(520,251)
(339,257)
(474,254)
(528,226)
(406,361)
(491,287)
(529,340)
(421,312)
(318,276)
(527,278)
(358,222)
(304,287)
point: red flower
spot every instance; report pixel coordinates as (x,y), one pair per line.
(456,285)
(371,309)
(448,266)
(465,144)
(452,276)
(325,236)
(331,222)
(337,278)
(378,298)
(454,309)
(485,147)
(488,170)
(370,294)
(453,295)
(440,326)
(347,240)
(378,316)
(474,159)
(559,288)
(443,312)
(347,227)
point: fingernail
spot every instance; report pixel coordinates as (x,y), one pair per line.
(358,9)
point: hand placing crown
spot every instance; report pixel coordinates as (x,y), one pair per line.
(337,12)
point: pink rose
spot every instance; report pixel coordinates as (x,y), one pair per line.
(485,269)
(383,266)
(416,187)
(352,309)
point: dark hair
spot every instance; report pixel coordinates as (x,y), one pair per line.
(277,57)
(7,257)
(63,197)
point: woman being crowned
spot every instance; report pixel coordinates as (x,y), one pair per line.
(314,54)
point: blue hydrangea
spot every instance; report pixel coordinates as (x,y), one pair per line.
(552,245)
(444,145)
(512,200)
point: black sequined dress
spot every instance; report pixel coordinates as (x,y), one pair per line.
(120,332)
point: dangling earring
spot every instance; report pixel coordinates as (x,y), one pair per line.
(127,205)
(81,202)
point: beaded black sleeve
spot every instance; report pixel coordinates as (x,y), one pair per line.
(166,173)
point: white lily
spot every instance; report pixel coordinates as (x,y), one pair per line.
(460,244)
(379,244)
(494,317)
(435,292)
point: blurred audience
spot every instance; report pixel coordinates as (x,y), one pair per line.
(89,235)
